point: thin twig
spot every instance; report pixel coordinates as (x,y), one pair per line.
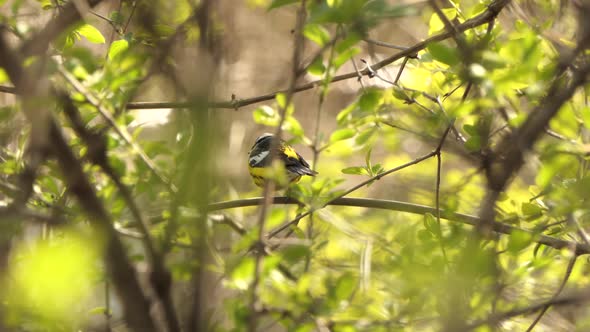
(106,114)
(400,71)
(503,227)
(384,44)
(133,6)
(418,160)
(96,143)
(568,273)
(437,195)
(270,185)
(578,297)
(490,14)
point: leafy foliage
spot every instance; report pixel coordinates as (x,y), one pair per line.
(453,181)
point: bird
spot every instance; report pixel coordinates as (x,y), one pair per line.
(260,157)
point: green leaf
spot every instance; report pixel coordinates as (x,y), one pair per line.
(345,56)
(266,115)
(436,24)
(317,34)
(443,53)
(370,100)
(355,170)
(400,93)
(345,286)
(473,143)
(243,273)
(518,241)
(345,114)
(368,159)
(531,209)
(342,134)
(117,17)
(3,76)
(280,3)
(91,33)
(292,126)
(294,253)
(117,47)
(365,136)
(377,169)
(430,223)
(46,4)
(281,99)
(471,129)
(317,67)
(98,311)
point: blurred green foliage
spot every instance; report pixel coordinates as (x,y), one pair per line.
(344,268)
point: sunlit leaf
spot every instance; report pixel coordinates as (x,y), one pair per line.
(519,240)
(91,33)
(370,100)
(117,47)
(280,3)
(316,33)
(530,209)
(342,134)
(355,170)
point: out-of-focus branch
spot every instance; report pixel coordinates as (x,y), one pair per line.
(160,277)
(579,297)
(122,132)
(269,186)
(135,304)
(508,157)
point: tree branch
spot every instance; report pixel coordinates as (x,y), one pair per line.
(487,16)
(498,227)
(136,306)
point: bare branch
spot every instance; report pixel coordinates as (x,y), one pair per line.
(284,226)
(500,227)
(487,16)
(578,297)
(568,273)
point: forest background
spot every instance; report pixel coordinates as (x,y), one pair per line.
(451,140)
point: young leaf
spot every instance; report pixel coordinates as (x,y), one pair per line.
(444,54)
(91,33)
(355,170)
(519,240)
(317,34)
(342,134)
(280,3)
(117,47)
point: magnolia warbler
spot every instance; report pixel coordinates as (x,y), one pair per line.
(259,160)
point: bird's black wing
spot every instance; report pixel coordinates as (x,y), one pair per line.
(298,166)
